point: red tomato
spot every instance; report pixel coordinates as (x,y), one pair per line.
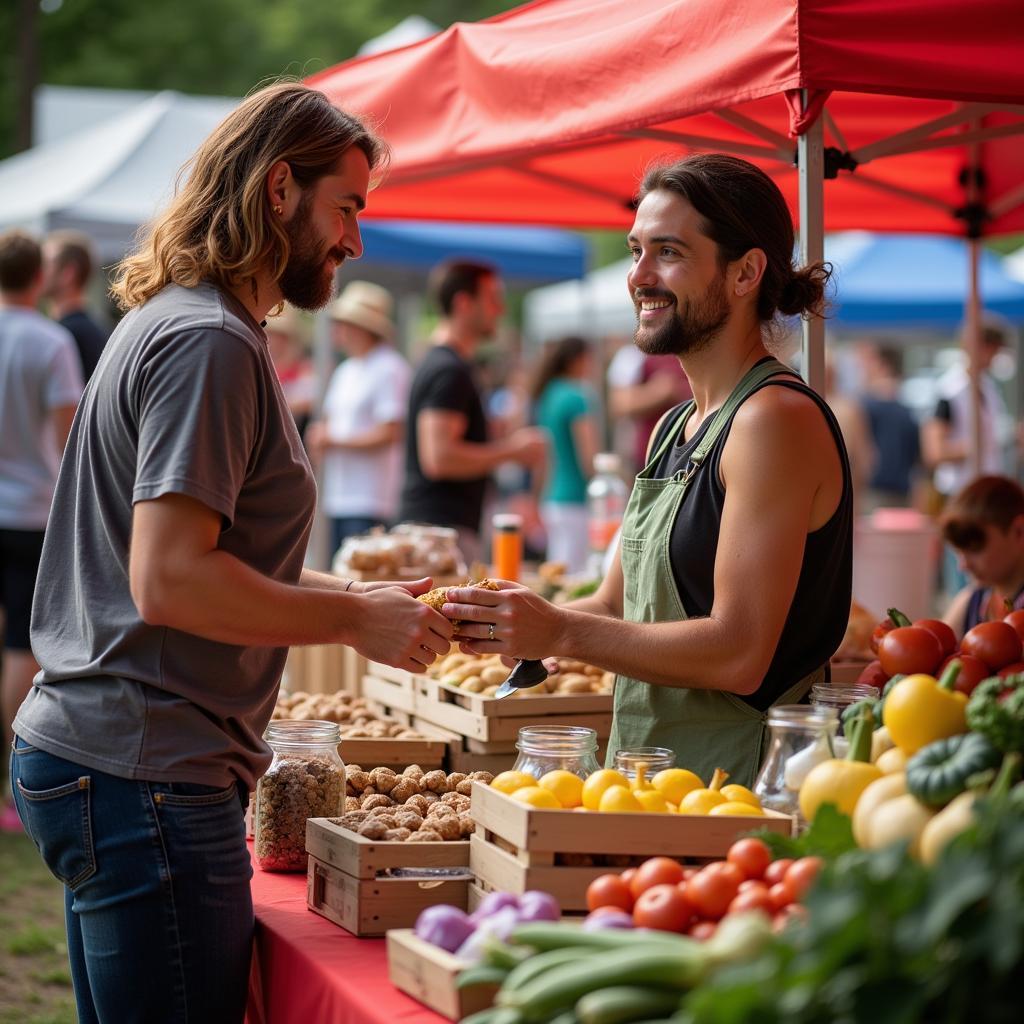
(689,873)
(752,883)
(1016,619)
(801,875)
(776,871)
(909,649)
(884,627)
(751,856)
(609,891)
(872,675)
(995,643)
(710,892)
(779,896)
(943,633)
(656,871)
(754,898)
(628,875)
(662,907)
(1014,668)
(735,876)
(972,672)
(702,930)
(601,911)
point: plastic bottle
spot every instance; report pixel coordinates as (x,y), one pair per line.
(606,503)
(507,545)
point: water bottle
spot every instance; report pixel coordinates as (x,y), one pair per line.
(606,503)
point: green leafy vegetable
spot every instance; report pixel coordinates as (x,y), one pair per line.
(830,834)
(996,710)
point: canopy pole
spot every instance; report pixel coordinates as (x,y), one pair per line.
(811,160)
(973,340)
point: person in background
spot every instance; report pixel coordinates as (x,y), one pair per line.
(449,456)
(563,405)
(292,363)
(946,435)
(894,430)
(730,588)
(40,385)
(853,423)
(360,435)
(172,578)
(660,384)
(984,524)
(68,263)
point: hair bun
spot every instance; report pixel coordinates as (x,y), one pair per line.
(804,292)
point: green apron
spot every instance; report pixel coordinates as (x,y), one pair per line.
(707,729)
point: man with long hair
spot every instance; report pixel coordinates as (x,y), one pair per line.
(731,585)
(172,577)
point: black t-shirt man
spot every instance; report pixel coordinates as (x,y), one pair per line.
(89,339)
(444,380)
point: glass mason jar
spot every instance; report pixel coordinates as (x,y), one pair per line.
(306,779)
(654,759)
(800,737)
(543,748)
(840,697)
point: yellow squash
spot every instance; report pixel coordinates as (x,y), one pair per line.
(921,709)
(841,782)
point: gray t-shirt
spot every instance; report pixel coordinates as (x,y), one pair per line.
(39,372)
(185,400)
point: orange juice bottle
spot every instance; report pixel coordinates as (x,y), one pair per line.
(507,545)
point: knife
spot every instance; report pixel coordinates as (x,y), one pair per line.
(524,674)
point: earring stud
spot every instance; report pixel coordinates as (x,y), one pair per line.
(278,209)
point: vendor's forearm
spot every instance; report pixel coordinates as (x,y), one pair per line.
(220,598)
(696,654)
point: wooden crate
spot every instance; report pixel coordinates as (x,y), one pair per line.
(428,974)
(324,668)
(347,885)
(392,688)
(517,847)
(394,753)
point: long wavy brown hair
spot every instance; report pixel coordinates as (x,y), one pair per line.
(219,226)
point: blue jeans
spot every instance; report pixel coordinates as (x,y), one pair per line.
(156,884)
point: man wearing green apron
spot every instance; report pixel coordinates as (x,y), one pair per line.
(731,586)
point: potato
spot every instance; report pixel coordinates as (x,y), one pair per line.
(474,684)
(494,675)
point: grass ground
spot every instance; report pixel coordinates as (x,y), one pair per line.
(35,982)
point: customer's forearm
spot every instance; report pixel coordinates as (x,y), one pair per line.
(220,598)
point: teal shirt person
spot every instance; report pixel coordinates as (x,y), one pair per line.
(562,402)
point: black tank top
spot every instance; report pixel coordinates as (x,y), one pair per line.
(820,610)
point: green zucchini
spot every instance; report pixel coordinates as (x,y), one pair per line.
(622,1004)
(480,974)
(541,962)
(540,998)
(493,1015)
(939,772)
(543,936)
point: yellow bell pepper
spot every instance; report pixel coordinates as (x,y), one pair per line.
(841,782)
(921,709)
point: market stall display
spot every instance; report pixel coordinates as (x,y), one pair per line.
(367,735)
(482,731)
(409,551)
(518,846)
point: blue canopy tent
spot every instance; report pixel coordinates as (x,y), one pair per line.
(913,281)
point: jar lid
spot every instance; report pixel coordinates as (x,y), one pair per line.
(507,522)
(847,693)
(555,739)
(315,733)
(812,716)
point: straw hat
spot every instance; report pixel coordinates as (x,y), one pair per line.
(366,305)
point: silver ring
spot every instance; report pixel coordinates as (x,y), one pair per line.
(490,630)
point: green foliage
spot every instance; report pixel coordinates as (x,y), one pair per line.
(830,834)
(214,47)
(888,941)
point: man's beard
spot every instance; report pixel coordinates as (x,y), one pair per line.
(684,333)
(308,278)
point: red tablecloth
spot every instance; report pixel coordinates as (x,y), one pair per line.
(305,968)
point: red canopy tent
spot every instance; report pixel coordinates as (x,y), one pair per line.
(550,112)
(911,110)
